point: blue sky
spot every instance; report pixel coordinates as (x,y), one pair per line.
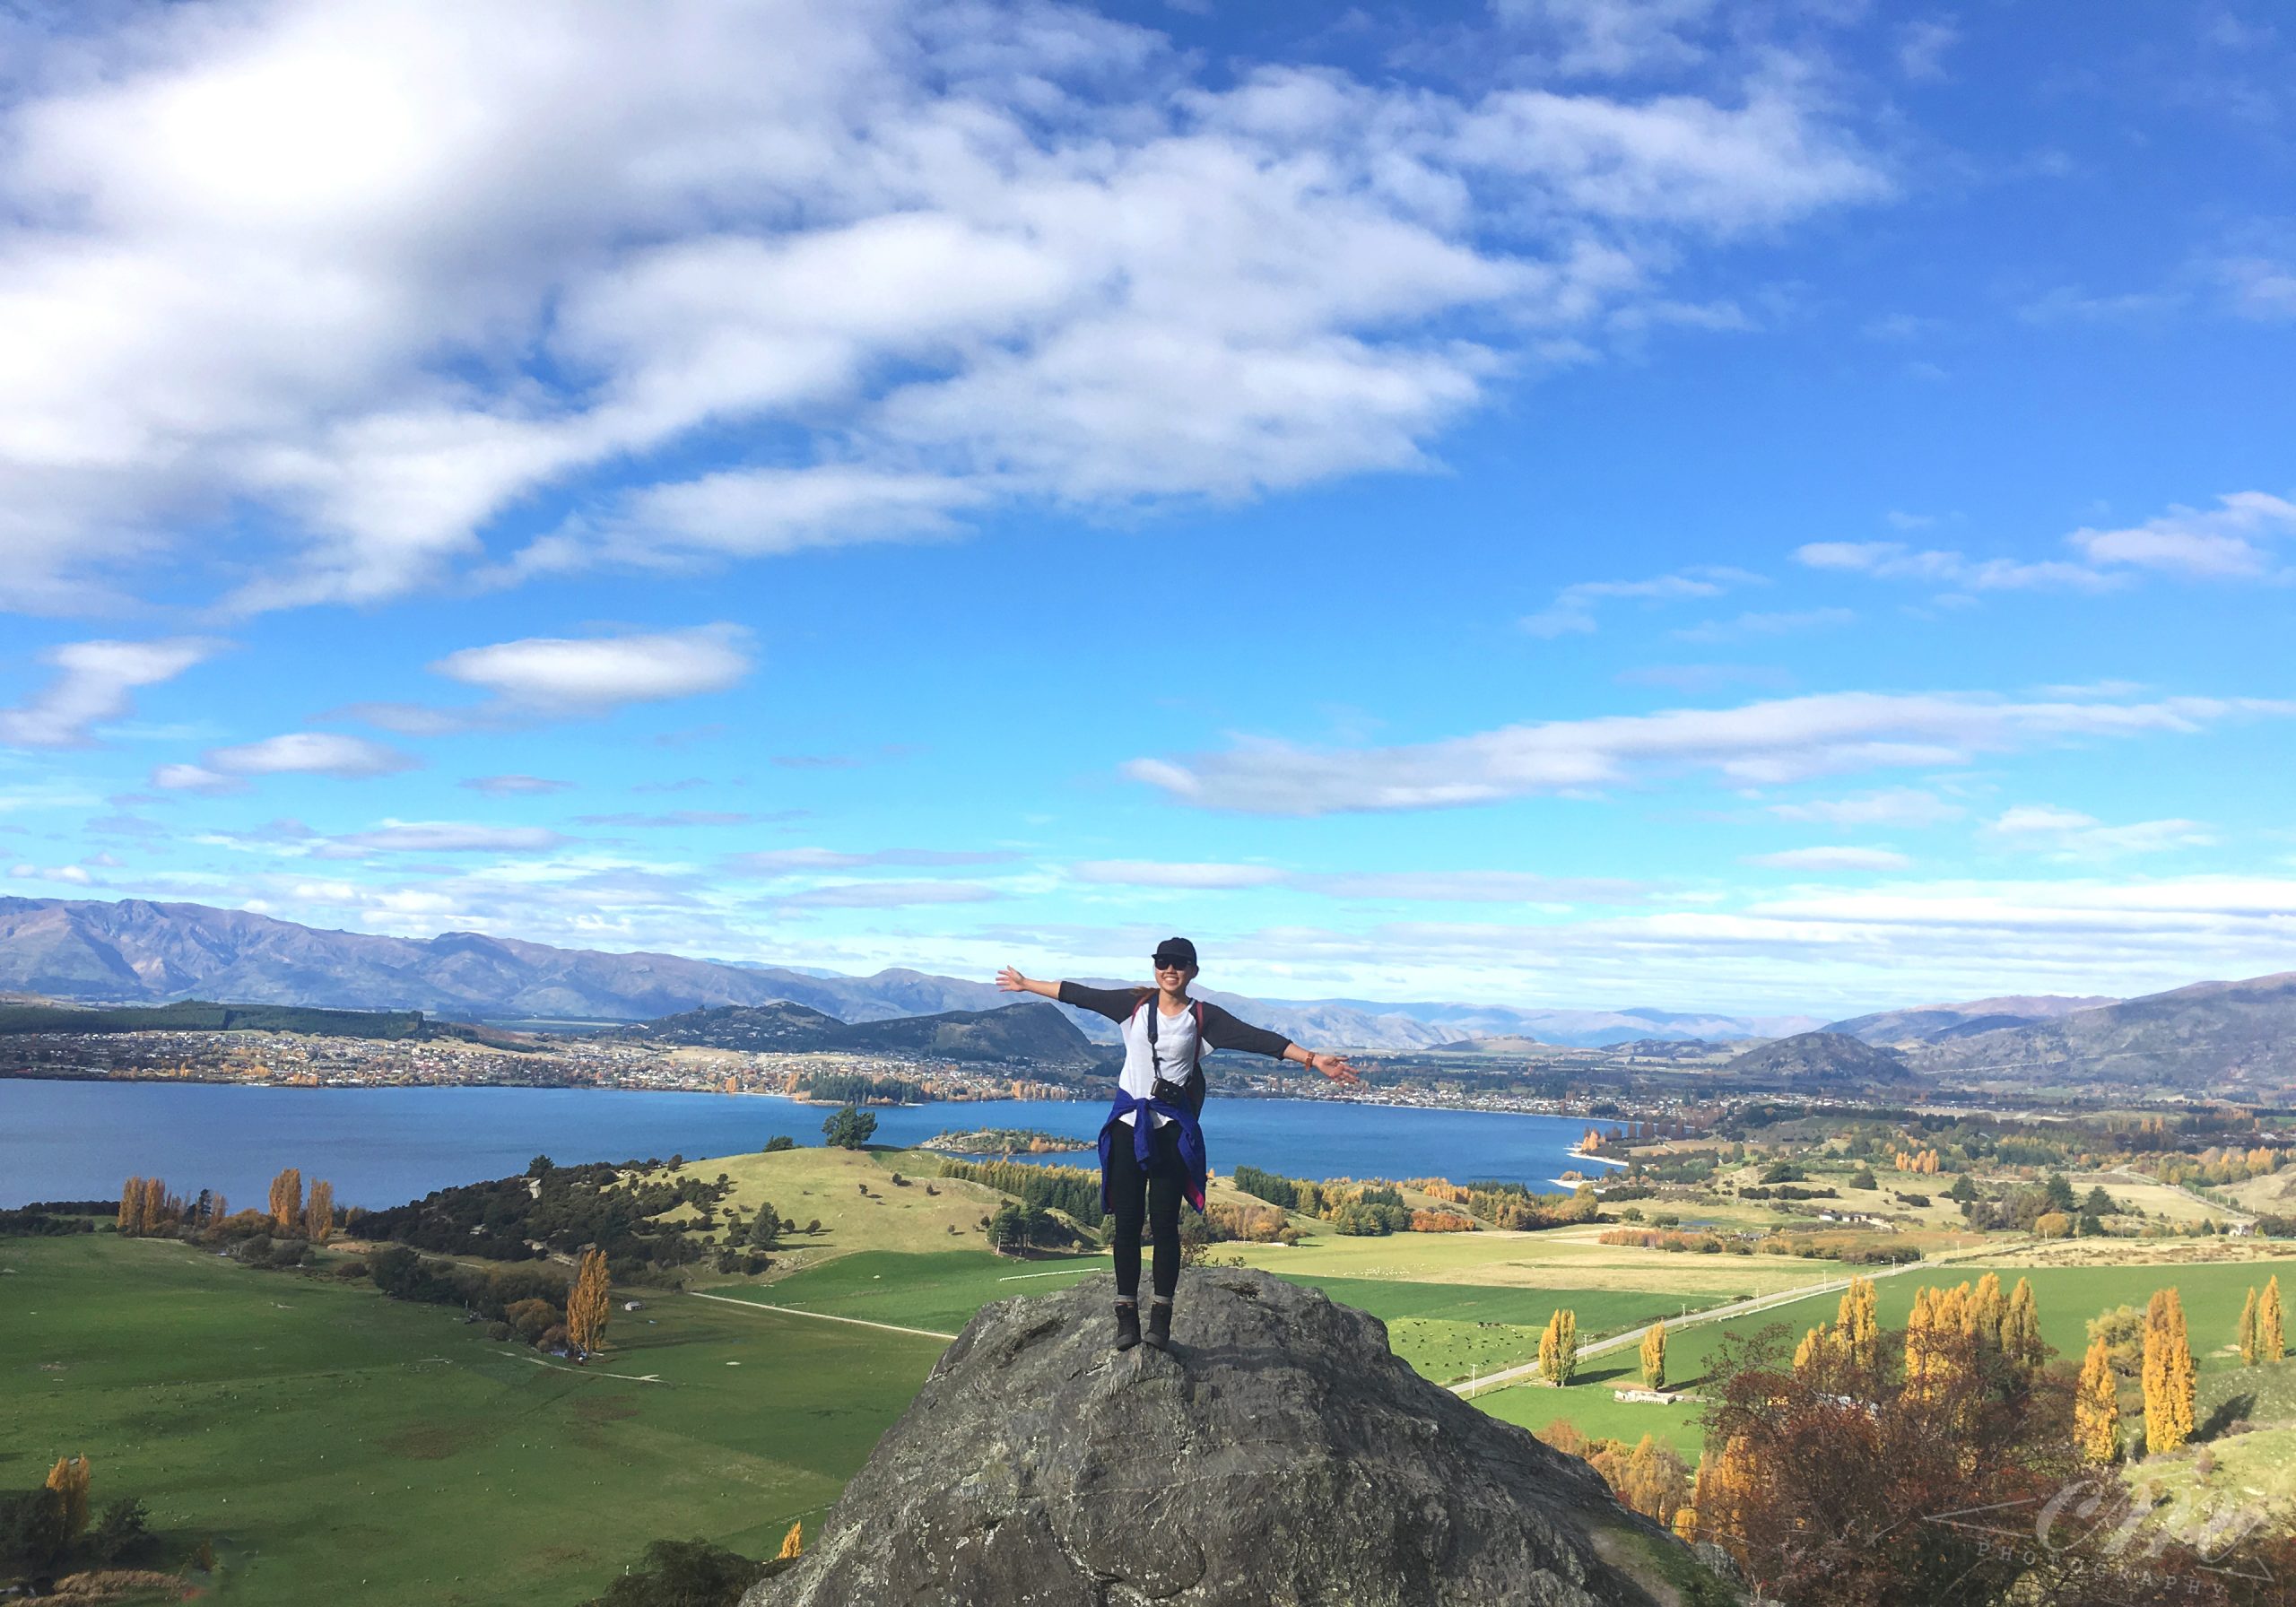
(1568,502)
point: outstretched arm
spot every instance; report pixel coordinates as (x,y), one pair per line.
(1224,1032)
(1117,1003)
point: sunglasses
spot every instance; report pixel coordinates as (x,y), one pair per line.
(1169,964)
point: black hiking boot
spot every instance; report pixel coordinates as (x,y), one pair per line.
(1127,1324)
(1160,1324)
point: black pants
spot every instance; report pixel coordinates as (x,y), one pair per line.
(1154,1196)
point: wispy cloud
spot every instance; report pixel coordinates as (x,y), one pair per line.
(792,861)
(293,753)
(2070,835)
(505,787)
(1758,744)
(558,678)
(1746,626)
(95,681)
(1832,859)
(1572,612)
(1894,806)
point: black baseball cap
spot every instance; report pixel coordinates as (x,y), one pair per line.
(1175,950)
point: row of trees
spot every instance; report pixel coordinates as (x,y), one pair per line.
(1070,1189)
(146,1209)
(44,1532)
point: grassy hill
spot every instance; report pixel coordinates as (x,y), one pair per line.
(194,1015)
(342,1448)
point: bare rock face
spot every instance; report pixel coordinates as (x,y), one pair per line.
(1282,1457)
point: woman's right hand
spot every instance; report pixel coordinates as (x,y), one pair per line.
(1011,980)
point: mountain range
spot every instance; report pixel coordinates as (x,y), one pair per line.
(1033,1031)
(138,952)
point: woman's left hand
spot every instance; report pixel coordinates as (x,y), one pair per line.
(1333,1067)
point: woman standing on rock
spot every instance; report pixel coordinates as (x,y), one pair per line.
(1146,1165)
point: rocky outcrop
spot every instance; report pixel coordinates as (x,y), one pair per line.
(1283,1457)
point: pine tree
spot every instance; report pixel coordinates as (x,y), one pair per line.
(793,1545)
(2246,1332)
(1559,1347)
(1654,1355)
(2169,1381)
(131,1207)
(318,1216)
(2096,1406)
(70,1478)
(587,1303)
(2021,1328)
(287,1200)
(2272,1342)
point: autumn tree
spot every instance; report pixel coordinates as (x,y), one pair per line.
(131,1207)
(793,1545)
(2246,1333)
(1654,1355)
(318,1215)
(587,1303)
(287,1200)
(1987,1308)
(2272,1342)
(2169,1380)
(2021,1328)
(70,1478)
(1559,1347)
(1857,1321)
(2096,1406)
(155,1204)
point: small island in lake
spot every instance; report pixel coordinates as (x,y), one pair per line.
(1005,1141)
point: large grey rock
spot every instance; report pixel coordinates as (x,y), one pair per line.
(1284,1458)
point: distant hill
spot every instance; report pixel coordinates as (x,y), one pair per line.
(2223,1037)
(1034,1033)
(198,1016)
(1820,1059)
(1935,1023)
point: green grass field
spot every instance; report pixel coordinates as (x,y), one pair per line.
(342,1448)
(2066,1298)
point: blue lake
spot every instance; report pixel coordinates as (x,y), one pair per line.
(67,1141)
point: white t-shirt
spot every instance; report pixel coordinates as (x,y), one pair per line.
(1175,1051)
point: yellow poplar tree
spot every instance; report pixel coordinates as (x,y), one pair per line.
(1819,1347)
(2169,1381)
(1858,1322)
(1559,1347)
(2246,1332)
(587,1303)
(1654,1355)
(2272,1342)
(2020,1327)
(155,1204)
(130,1206)
(1988,1308)
(2096,1406)
(793,1545)
(287,1200)
(318,1216)
(70,1478)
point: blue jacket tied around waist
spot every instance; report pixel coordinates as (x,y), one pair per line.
(1193,1169)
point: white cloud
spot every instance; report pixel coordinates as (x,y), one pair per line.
(2224,542)
(1922,47)
(1610,38)
(92,683)
(513,786)
(1894,561)
(1893,806)
(2259,287)
(1572,612)
(74,875)
(2070,835)
(1756,744)
(448,837)
(1833,859)
(1148,872)
(789,861)
(294,754)
(888,894)
(578,675)
(1746,625)
(896,260)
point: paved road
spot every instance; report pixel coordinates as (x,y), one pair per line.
(1718,1314)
